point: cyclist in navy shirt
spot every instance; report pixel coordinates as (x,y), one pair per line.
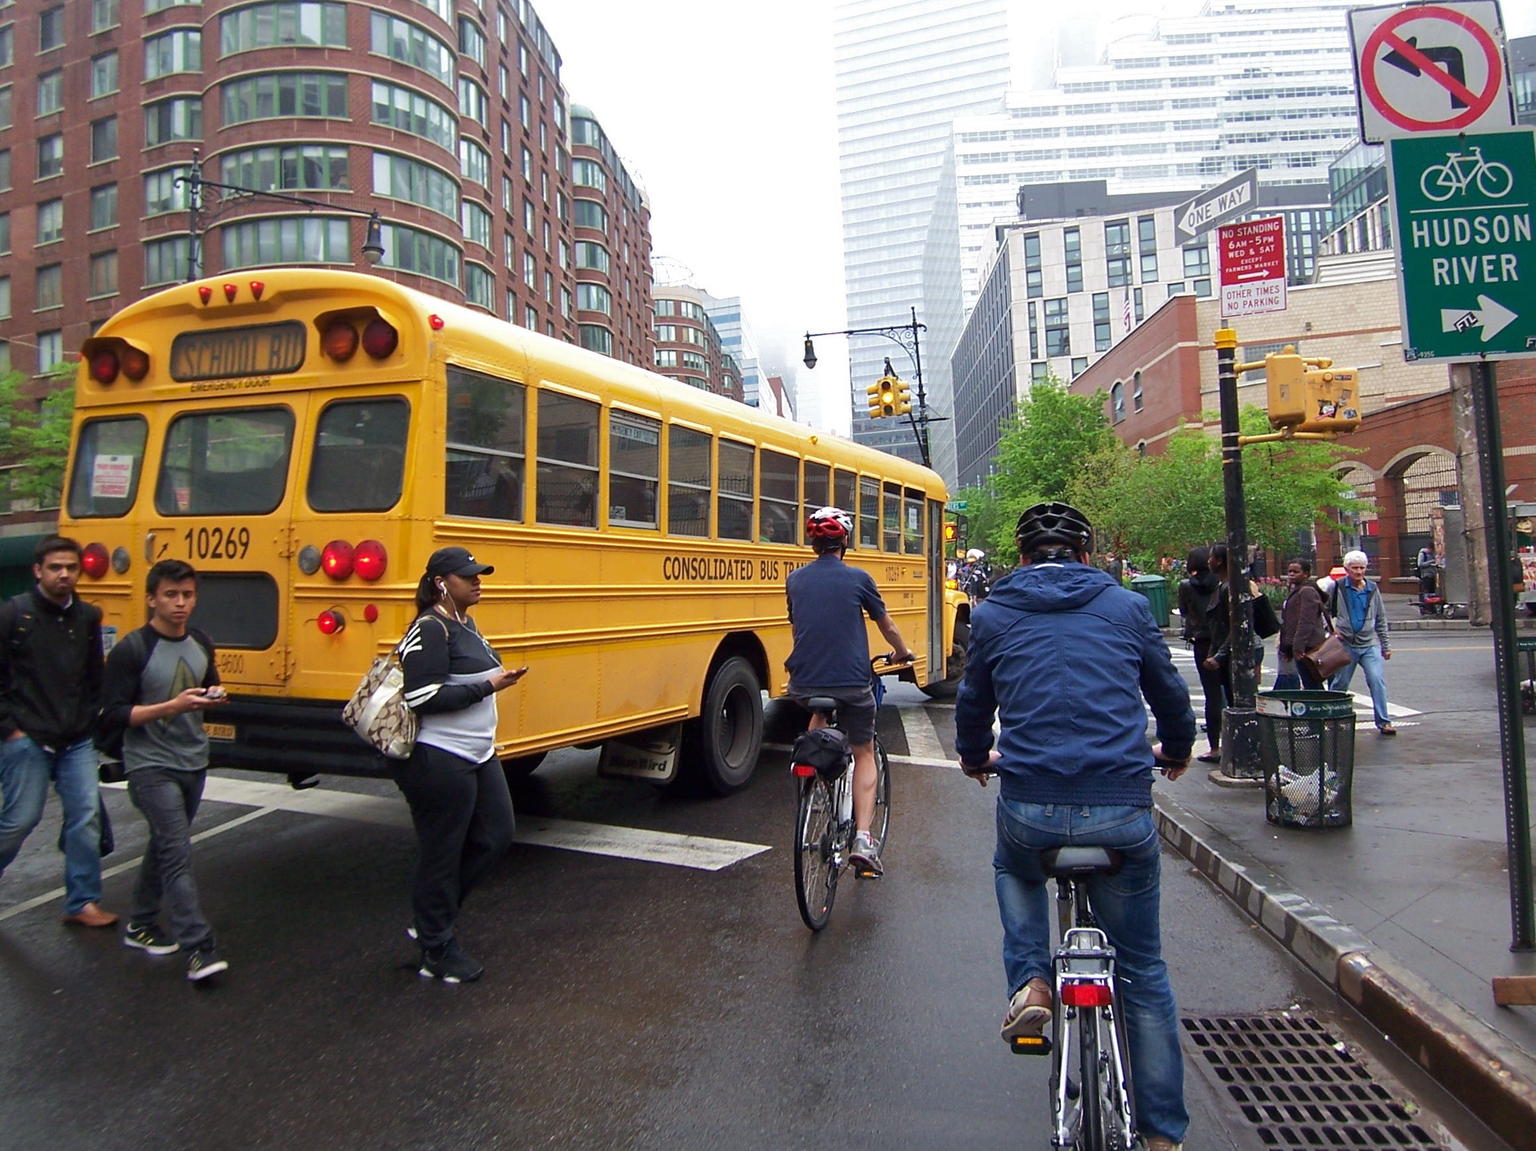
(827,602)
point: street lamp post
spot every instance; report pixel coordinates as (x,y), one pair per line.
(906,336)
(199,213)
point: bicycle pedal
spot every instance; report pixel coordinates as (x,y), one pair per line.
(1030,1045)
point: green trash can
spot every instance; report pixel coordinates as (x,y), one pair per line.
(1307,751)
(1155,588)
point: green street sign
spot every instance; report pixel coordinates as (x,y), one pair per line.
(1462,215)
(957,506)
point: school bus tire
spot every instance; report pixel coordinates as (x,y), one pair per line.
(518,768)
(721,747)
(955,666)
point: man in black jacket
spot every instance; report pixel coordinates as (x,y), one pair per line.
(50,690)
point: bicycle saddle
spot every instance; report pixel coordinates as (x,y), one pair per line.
(821,703)
(1077,861)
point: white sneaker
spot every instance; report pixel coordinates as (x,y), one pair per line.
(865,857)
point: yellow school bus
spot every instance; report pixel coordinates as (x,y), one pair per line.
(307,438)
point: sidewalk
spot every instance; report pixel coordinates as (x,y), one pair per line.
(1406,913)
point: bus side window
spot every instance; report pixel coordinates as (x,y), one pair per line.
(735,503)
(359,458)
(891,521)
(689,480)
(566,487)
(869,512)
(485,461)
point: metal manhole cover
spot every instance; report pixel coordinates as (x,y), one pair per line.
(1300,1088)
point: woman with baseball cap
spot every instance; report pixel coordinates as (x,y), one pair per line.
(453,781)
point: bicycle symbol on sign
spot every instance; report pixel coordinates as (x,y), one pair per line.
(1463,169)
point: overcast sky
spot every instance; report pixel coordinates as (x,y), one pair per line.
(725,112)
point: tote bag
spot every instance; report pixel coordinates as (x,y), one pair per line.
(377,710)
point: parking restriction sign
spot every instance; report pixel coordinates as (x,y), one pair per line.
(1252,266)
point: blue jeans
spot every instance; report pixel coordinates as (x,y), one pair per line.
(168,800)
(1368,659)
(25,769)
(1127,907)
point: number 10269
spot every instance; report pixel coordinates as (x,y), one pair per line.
(217,543)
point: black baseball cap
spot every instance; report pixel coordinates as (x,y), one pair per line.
(456,561)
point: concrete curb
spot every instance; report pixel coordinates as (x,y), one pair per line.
(1490,1076)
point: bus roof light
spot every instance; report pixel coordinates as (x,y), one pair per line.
(380,338)
(257,288)
(135,364)
(94,560)
(336,559)
(230,292)
(330,622)
(204,293)
(104,365)
(340,341)
(435,322)
(369,560)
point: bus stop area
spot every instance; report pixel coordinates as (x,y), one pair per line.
(1406,913)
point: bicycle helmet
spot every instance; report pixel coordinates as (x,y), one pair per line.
(829,524)
(975,554)
(1053,522)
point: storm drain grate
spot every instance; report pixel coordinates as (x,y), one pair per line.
(1300,1088)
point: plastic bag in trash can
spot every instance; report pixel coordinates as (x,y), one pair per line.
(1305,794)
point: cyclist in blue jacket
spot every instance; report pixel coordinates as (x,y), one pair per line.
(1065,655)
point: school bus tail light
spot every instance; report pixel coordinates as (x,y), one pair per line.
(109,359)
(330,622)
(94,560)
(380,338)
(340,341)
(369,559)
(336,559)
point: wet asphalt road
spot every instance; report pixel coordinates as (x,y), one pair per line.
(627,1003)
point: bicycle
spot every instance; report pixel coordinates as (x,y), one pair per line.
(824,824)
(1095,1112)
(1460,171)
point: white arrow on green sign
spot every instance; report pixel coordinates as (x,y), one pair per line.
(1463,212)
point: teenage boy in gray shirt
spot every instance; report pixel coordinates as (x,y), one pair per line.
(158,681)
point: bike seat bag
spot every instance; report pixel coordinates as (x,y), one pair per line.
(826,749)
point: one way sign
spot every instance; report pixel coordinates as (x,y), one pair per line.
(1237,197)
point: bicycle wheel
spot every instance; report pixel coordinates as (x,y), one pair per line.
(1495,181)
(1438,183)
(1090,1134)
(815,866)
(880,825)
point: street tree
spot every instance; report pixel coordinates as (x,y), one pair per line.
(34,435)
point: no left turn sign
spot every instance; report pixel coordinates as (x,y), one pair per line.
(1430,68)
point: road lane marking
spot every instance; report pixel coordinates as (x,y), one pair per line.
(922,737)
(695,851)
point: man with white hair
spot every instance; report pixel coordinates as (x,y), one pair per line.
(1360,618)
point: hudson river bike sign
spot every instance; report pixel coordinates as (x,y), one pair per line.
(1463,222)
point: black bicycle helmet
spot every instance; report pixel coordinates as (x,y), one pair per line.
(1056,522)
(829,524)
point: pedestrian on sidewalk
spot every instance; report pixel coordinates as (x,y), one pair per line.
(159,679)
(1220,617)
(1303,626)
(50,691)
(1360,618)
(1068,661)
(1197,593)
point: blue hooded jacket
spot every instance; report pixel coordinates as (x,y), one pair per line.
(1065,655)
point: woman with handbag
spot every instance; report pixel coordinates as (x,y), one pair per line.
(453,781)
(1303,624)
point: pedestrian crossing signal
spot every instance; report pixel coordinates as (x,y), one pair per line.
(1333,401)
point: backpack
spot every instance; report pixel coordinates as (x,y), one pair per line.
(109,736)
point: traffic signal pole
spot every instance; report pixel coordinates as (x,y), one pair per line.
(1240,766)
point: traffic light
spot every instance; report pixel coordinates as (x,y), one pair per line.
(903,398)
(1333,400)
(874,390)
(1285,376)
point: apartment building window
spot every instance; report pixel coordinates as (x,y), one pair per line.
(471,40)
(49,287)
(567,302)
(1079,366)
(412,45)
(503,81)
(596,338)
(103,207)
(263,97)
(402,178)
(179,50)
(7,44)
(1058,332)
(1034,332)
(288,166)
(179,118)
(104,139)
(152,6)
(5,299)
(162,193)
(5,107)
(528,164)
(1101,327)
(1176,288)
(475,162)
(530,317)
(103,274)
(474,104)
(410,250)
(1146,246)
(397,107)
(479,286)
(287,240)
(1197,261)
(1140,313)
(50,29)
(165,261)
(1117,252)
(1137,399)
(1034,281)
(528,217)
(591,214)
(50,350)
(306,25)
(50,92)
(477,224)
(1117,402)
(594,298)
(50,157)
(524,112)
(105,14)
(1072,244)
(103,75)
(530,270)
(1039,372)
(665,357)
(589,174)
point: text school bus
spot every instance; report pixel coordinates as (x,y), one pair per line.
(306,438)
